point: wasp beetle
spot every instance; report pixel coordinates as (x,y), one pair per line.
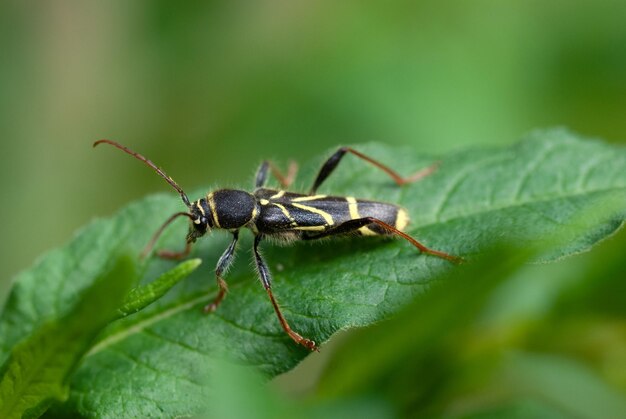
(285,216)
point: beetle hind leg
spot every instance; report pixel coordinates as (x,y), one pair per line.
(333,161)
(354,225)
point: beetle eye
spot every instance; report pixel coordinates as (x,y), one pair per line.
(204,220)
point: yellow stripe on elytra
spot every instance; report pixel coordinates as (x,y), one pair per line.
(285,212)
(211,202)
(308,198)
(402,219)
(353,206)
(278,195)
(326,216)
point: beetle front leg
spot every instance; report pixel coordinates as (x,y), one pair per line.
(166,254)
(222,266)
(174,255)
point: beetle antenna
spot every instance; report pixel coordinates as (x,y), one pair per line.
(161,173)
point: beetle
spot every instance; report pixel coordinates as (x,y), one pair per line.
(286,216)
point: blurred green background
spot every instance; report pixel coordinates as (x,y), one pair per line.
(209,89)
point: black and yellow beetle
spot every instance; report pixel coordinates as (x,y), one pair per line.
(286,216)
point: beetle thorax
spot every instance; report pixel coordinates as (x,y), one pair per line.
(231,208)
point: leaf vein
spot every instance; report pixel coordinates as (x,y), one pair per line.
(588,168)
(157,371)
(153,334)
(458,180)
(530,168)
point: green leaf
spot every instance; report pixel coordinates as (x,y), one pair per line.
(37,369)
(158,360)
(36,372)
(141,297)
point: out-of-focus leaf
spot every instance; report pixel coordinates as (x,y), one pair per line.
(375,357)
(518,409)
(241,392)
(566,384)
(551,384)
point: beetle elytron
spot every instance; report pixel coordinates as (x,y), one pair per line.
(285,216)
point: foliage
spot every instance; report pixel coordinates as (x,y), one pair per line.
(38,368)
(37,371)
(161,360)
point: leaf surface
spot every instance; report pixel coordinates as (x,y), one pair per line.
(37,370)
(158,361)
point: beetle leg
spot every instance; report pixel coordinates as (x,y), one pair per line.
(353,225)
(175,255)
(285,180)
(329,166)
(266,280)
(165,253)
(222,266)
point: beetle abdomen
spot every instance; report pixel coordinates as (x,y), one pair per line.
(281,211)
